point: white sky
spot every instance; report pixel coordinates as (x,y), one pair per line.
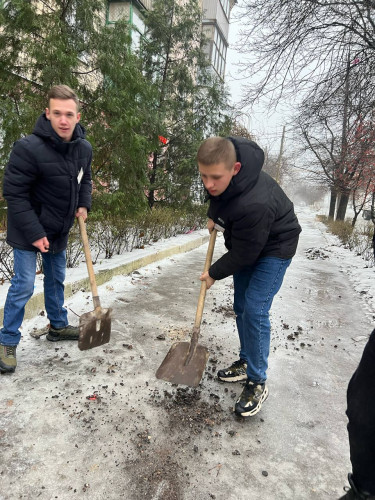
(266,125)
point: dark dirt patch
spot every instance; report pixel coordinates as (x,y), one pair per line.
(188,412)
(227,311)
(157,472)
(156,475)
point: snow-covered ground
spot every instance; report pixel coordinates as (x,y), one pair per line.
(98,424)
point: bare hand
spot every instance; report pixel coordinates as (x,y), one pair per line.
(42,244)
(210,225)
(207,278)
(82,212)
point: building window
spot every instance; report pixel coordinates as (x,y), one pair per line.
(226,7)
(128,11)
(137,21)
(138,27)
(219,53)
(117,11)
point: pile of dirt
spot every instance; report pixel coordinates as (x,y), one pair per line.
(316,253)
(187,411)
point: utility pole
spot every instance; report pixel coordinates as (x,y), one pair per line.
(279,159)
(343,199)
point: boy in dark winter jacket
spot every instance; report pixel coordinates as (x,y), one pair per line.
(361,426)
(261,234)
(47,183)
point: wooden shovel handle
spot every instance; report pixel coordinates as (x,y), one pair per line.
(90,268)
(202,295)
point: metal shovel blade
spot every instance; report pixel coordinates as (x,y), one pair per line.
(177,370)
(94,328)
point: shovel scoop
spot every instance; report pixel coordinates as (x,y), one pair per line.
(185,362)
(94,326)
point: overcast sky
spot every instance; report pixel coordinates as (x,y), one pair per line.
(266,125)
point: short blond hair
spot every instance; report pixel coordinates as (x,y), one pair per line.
(62,92)
(217,150)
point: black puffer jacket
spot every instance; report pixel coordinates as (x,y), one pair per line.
(45,181)
(257,216)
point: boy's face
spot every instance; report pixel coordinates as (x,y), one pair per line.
(63,116)
(216,178)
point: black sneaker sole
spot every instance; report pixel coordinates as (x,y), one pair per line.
(7,370)
(255,410)
(56,338)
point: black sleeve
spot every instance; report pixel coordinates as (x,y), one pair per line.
(20,175)
(249,236)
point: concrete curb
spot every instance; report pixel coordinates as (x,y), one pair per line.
(36,303)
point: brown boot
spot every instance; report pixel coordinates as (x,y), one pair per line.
(8,361)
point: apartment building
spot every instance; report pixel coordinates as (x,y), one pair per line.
(215,24)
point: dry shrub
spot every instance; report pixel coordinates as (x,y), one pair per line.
(357,238)
(111,234)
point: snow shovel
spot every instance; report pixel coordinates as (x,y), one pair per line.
(186,361)
(94,326)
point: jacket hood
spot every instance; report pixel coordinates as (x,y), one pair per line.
(43,129)
(251,157)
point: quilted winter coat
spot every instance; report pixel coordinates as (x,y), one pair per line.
(45,181)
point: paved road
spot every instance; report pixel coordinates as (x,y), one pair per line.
(139,437)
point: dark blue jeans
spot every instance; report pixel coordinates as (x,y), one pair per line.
(361,415)
(22,288)
(254,290)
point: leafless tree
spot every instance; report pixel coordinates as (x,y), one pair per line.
(240,130)
(302,46)
(339,138)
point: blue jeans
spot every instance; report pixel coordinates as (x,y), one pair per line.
(22,288)
(254,290)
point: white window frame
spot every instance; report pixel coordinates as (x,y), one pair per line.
(219,53)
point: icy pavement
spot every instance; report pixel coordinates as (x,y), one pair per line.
(98,425)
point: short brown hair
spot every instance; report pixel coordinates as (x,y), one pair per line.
(62,92)
(217,150)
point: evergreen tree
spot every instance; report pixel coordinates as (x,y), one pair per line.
(40,46)
(120,112)
(67,41)
(128,102)
(190,101)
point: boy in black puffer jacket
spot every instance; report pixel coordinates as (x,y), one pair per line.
(261,234)
(47,183)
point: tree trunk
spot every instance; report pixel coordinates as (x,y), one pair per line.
(344,196)
(332,203)
(152,178)
(343,203)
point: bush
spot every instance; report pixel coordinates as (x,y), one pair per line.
(357,239)
(342,229)
(112,232)
(110,235)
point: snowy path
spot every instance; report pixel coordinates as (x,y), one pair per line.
(143,438)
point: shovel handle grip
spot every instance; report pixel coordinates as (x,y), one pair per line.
(90,268)
(202,294)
